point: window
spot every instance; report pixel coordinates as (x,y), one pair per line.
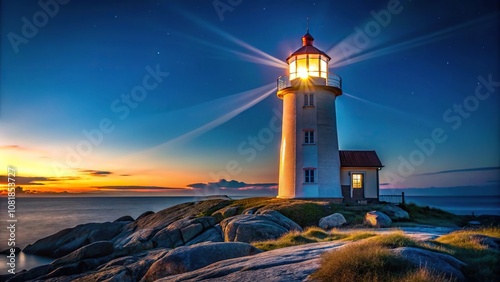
(309,136)
(308,100)
(309,175)
(357,180)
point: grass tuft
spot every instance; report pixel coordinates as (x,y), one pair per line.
(395,240)
(361,262)
(359,235)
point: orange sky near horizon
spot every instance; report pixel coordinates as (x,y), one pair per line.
(42,173)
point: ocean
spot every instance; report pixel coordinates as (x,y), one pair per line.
(41,217)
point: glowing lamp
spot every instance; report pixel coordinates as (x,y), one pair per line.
(302,73)
(308,61)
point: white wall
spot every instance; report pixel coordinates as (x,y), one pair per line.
(370,179)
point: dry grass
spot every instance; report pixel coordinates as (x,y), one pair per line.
(483,262)
(295,238)
(369,260)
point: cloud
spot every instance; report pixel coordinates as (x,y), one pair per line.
(20,191)
(96,172)
(10,147)
(223,184)
(384,184)
(137,188)
(460,170)
(35,180)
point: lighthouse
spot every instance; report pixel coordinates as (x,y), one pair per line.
(309,156)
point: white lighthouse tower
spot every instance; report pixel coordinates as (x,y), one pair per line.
(309,156)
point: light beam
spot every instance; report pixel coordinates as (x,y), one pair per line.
(339,60)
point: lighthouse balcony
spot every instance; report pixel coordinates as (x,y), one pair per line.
(333,80)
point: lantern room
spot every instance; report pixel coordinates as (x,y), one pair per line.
(308,61)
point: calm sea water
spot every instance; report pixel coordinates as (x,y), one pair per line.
(41,217)
(462,205)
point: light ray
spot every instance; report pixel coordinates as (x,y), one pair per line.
(243,56)
(233,39)
(227,108)
(394,111)
(339,60)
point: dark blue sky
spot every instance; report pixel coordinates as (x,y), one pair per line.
(404,78)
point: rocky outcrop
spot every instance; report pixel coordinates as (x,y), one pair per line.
(264,225)
(395,212)
(331,221)
(185,243)
(286,264)
(190,258)
(377,219)
(71,239)
(440,264)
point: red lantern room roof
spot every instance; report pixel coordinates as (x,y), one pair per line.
(307,47)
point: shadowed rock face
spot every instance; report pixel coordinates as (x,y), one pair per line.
(394,212)
(71,239)
(97,249)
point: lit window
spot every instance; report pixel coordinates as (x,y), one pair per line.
(309,175)
(293,70)
(314,65)
(308,65)
(309,137)
(357,180)
(308,100)
(324,67)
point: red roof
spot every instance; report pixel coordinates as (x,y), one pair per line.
(359,159)
(307,47)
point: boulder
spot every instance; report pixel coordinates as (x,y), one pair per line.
(394,212)
(265,225)
(377,219)
(96,249)
(437,263)
(125,218)
(182,231)
(331,221)
(71,239)
(189,258)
